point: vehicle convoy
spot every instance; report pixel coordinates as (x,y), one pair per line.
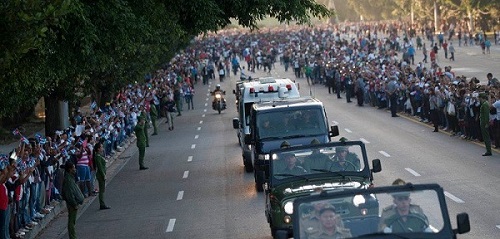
(297,121)
(300,171)
(219,102)
(263,89)
(403,211)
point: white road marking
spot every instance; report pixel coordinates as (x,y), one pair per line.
(186,174)
(203,115)
(171,224)
(335,122)
(385,154)
(201,121)
(199,128)
(364,140)
(196,136)
(348,130)
(206,99)
(205,110)
(190,158)
(180,195)
(498,226)
(208,94)
(193,146)
(206,104)
(413,172)
(453,197)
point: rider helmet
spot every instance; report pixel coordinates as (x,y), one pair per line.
(217,87)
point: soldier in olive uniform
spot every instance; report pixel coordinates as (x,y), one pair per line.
(316,161)
(100,164)
(290,165)
(403,216)
(141,141)
(154,116)
(328,225)
(146,125)
(72,195)
(345,160)
(484,122)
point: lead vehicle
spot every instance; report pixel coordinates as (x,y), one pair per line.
(406,211)
(303,170)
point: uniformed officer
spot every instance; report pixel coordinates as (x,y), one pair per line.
(141,141)
(146,125)
(154,115)
(403,216)
(484,122)
(345,160)
(290,165)
(316,161)
(328,225)
(72,195)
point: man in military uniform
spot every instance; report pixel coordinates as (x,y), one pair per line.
(484,122)
(141,141)
(290,165)
(328,225)
(316,161)
(403,216)
(154,116)
(146,125)
(345,160)
(72,195)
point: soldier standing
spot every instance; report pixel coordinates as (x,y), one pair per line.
(72,195)
(484,119)
(154,115)
(141,141)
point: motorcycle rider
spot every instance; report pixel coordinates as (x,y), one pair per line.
(222,93)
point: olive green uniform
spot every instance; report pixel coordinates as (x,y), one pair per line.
(322,234)
(154,115)
(316,161)
(351,163)
(73,196)
(484,119)
(416,221)
(141,142)
(101,177)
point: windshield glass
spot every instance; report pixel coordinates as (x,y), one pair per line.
(381,213)
(282,124)
(318,160)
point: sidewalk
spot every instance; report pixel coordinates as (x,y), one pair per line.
(60,208)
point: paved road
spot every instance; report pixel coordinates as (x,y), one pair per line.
(196,186)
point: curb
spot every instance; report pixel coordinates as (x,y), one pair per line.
(60,208)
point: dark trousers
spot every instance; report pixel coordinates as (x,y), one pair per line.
(72,212)
(102,189)
(142,153)
(394,104)
(435,118)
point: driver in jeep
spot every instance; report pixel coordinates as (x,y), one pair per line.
(345,160)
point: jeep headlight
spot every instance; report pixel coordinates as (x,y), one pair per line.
(288,208)
(263,156)
(358,199)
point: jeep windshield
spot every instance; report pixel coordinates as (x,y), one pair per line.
(284,124)
(409,213)
(333,160)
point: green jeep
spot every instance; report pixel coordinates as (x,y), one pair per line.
(302,170)
(404,211)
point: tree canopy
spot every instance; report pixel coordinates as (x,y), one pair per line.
(59,47)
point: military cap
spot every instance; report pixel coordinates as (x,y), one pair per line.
(327,207)
(285,144)
(315,141)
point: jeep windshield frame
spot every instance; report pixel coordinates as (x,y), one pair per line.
(355,168)
(379,202)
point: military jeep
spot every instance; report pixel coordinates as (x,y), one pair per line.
(404,211)
(304,170)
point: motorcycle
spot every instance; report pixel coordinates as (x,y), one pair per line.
(219,103)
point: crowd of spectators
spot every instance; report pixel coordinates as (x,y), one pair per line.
(371,62)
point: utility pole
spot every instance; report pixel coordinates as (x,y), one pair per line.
(412,15)
(435,17)
(331,5)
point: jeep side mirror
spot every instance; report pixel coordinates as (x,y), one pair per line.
(376,166)
(463,223)
(234,92)
(236,123)
(248,139)
(334,131)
